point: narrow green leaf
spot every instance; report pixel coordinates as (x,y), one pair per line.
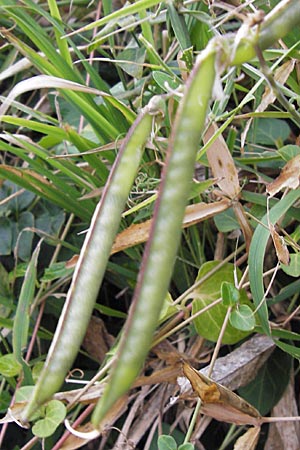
(257,253)
(179,27)
(22,317)
(288,348)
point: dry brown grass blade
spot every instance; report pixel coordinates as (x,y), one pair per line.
(139,233)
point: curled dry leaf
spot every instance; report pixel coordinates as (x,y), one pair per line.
(288,178)
(282,252)
(222,164)
(219,402)
(97,340)
(14,414)
(85,433)
(248,440)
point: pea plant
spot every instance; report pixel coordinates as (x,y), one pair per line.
(181,87)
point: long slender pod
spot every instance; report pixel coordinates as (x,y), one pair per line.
(92,263)
(161,249)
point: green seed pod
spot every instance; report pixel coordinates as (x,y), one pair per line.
(161,249)
(92,263)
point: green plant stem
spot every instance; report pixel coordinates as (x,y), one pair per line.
(284,17)
(192,422)
(276,89)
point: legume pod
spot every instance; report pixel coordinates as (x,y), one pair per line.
(161,249)
(92,263)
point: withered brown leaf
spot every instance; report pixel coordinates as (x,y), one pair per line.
(219,402)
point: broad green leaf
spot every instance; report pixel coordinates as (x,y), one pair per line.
(9,366)
(36,370)
(6,236)
(5,401)
(23,393)
(269,132)
(209,323)
(289,151)
(230,294)
(293,269)
(6,295)
(135,57)
(270,382)
(166,443)
(226,221)
(19,202)
(242,318)
(55,412)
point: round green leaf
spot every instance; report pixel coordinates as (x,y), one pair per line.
(209,324)
(230,294)
(242,318)
(187,446)
(55,413)
(293,269)
(166,443)
(9,366)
